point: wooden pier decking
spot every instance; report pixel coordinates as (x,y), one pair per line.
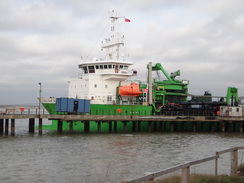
(154,123)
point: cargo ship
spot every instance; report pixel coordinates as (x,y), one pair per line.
(106,87)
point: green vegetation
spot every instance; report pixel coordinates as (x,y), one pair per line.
(203,178)
(240,171)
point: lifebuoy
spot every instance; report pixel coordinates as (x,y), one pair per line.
(119,110)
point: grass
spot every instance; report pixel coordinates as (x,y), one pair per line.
(203,178)
(241,170)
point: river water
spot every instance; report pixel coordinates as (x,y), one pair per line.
(105,157)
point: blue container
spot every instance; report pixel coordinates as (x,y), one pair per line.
(71,105)
(61,104)
(81,105)
(87,106)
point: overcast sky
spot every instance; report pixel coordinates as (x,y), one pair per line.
(43,41)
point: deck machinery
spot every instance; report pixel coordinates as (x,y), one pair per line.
(169,96)
(169,90)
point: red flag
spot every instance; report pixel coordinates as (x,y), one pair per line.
(127,20)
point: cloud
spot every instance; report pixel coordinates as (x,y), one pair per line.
(43,41)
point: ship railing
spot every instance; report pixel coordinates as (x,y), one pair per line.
(151,177)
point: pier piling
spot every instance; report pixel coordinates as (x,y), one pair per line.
(212,127)
(86,126)
(115,126)
(202,126)
(194,126)
(71,126)
(99,126)
(60,126)
(134,126)
(139,126)
(1,126)
(161,126)
(182,126)
(12,127)
(110,126)
(6,126)
(155,126)
(223,126)
(149,126)
(125,126)
(40,126)
(32,125)
(172,126)
(241,126)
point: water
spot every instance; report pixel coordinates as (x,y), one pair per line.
(103,157)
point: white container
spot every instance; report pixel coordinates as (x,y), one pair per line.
(231,111)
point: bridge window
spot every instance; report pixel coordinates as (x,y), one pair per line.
(110,66)
(105,66)
(101,66)
(97,66)
(85,70)
(91,69)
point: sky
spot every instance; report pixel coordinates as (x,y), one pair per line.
(42,41)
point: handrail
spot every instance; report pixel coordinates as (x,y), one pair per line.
(186,167)
(227,150)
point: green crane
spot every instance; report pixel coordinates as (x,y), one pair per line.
(169,90)
(232,96)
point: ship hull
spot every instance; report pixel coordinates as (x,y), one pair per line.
(103,109)
(118,126)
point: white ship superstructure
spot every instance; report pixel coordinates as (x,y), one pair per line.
(99,78)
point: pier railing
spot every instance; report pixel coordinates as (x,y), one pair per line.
(23,110)
(185,168)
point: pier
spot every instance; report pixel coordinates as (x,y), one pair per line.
(131,123)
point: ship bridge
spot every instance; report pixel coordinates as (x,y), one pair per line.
(111,70)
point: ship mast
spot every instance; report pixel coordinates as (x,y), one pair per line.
(113,44)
